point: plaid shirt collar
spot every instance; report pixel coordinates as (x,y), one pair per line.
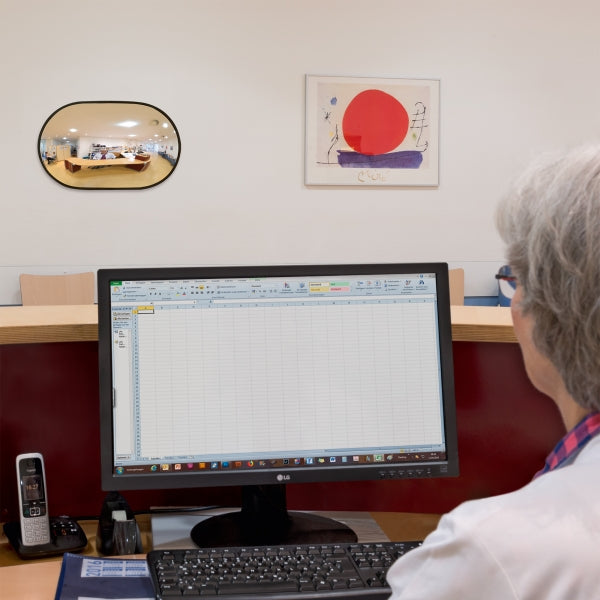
(569,446)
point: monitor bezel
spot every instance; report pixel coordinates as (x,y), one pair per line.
(330,473)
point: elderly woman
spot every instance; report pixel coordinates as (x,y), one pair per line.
(542,541)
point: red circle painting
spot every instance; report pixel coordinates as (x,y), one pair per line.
(374,123)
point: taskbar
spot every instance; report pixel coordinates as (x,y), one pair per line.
(279,463)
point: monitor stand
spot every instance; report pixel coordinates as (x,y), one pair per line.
(265,520)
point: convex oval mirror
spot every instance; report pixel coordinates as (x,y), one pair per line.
(109,145)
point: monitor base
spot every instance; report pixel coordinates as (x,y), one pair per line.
(265,520)
(231,529)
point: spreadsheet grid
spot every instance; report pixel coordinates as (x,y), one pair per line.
(304,370)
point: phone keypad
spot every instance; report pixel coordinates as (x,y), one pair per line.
(35,531)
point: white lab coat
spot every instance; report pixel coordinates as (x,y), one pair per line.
(541,542)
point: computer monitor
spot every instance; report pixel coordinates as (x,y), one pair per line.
(258,376)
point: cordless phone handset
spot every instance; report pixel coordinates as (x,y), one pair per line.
(33,499)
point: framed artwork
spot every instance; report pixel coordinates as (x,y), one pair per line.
(368,131)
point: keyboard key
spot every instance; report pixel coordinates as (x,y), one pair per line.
(267,587)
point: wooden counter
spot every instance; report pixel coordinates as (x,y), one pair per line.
(39,324)
(37,579)
(137,164)
(396,526)
(481,324)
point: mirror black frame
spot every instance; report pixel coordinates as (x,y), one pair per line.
(162,116)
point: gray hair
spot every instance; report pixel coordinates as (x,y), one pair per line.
(550,223)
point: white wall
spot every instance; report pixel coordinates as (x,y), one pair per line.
(517,78)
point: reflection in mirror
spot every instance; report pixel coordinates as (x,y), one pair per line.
(109,145)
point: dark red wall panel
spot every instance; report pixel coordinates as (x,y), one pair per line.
(49,404)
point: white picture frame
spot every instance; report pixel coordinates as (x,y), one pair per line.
(368,131)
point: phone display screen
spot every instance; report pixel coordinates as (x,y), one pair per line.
(32,487)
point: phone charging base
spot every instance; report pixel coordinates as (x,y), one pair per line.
(66,535)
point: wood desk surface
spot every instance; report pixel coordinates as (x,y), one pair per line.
(106,162)
(79,323)
(36,580)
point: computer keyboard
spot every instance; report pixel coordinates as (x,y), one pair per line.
(277,572)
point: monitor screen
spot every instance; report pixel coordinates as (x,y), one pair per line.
(264,375)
